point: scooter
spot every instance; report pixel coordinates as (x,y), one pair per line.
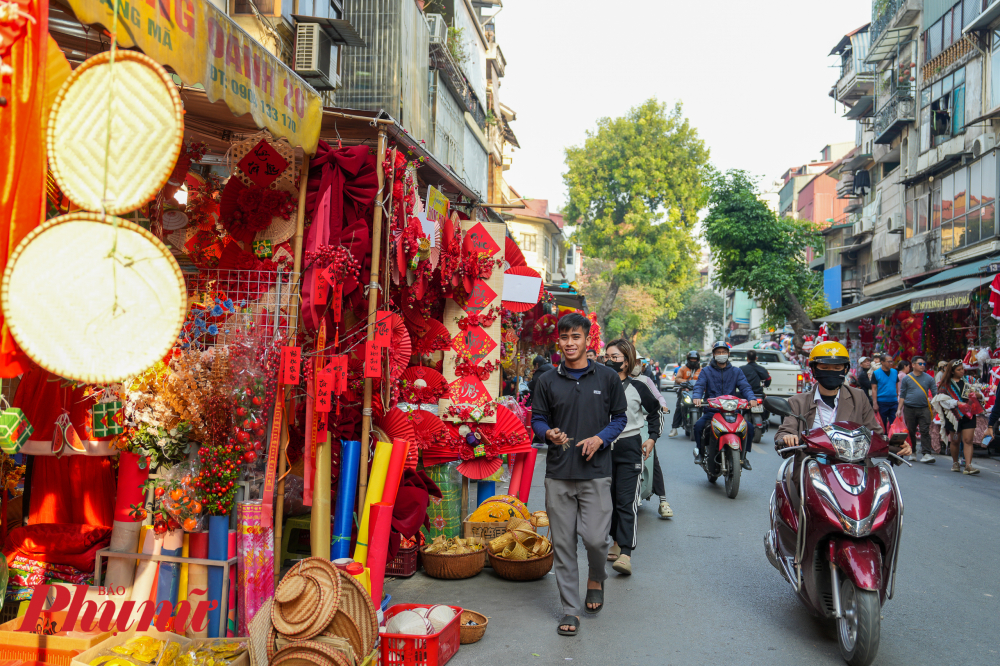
(759,423)
(690,412)
(724,444)
(836,518)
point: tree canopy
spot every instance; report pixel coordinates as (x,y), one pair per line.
(635,188)
(757,252)
(702,308)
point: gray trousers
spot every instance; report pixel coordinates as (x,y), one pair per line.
(578,509)
(918,418)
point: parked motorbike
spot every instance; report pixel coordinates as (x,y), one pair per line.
(724,444)
(836,518)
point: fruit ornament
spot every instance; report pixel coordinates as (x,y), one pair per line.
(248,434)
(177,502)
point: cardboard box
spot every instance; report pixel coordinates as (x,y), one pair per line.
(49,634)
(485,531)
(84,658)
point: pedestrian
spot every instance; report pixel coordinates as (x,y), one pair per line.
(903,368)
(689,372)
(659,488)
(954,385)
(591,355)
(628,453)
(864,376)
(578,409)
(916,392)
(541,366)
(939,375)
(885,395)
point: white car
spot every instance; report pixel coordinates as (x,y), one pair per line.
(787,378)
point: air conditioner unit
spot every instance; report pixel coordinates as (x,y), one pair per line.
(982,144)
(438,29)
(894,224)
(316,57)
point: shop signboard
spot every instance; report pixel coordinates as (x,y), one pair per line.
(204,46)
(940,302)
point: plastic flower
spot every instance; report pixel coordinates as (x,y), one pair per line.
(213,329)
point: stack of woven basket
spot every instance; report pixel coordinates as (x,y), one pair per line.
(320,615)
(520,542)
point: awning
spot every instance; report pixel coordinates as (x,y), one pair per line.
(204,46)
(862,108)
(971,268)
(983,21)
(857,162)
(995,113)
(947,297)
(338,30)
(865,309)
(944,164)
(888,43)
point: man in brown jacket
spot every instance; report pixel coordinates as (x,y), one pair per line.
(830,401)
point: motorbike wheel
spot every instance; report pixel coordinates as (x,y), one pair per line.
(733,474)
(758,432)
(859,628)
(711,479)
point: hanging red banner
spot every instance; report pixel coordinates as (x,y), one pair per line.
(273,451)
(373,360)
(291,365)
(383,321)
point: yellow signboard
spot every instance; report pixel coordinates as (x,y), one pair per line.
(203,45)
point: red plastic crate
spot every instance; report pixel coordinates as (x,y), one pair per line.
(29,654)
(405,564)
(433,650)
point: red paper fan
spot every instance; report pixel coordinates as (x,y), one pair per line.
(514,306)
(427,427)
(508,434)
(512,254)
(401,348)
(479,468)
(435,339)
(422,385)
(445,450)
(397,425)
(228,203)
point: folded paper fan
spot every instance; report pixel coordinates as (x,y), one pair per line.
(401,347)
(516,306)
(512,255)
(508,434)
(422,385)
(427,427)
(397,425)
(435,339)
(479,468)
(444,450)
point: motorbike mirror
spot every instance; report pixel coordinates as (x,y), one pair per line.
(778,406)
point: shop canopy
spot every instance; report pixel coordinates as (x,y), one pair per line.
(205,47)
(965,270)
(941,297)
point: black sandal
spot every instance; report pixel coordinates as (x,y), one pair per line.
(595,597)
(568,621)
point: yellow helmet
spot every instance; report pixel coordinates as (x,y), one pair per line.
(829,352)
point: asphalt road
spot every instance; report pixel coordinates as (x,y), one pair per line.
(703,592)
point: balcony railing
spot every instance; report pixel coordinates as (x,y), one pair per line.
(893,115)
(886,11)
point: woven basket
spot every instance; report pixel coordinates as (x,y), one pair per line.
(453,567)
(473,634)
(519,570)
(85,314)
(146,127)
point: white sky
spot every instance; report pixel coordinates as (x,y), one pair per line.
(754,77)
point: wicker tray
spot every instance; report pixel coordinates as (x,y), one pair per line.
(473,634)
(521,569)
(453,567)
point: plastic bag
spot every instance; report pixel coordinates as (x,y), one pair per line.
(294,487)
(179,500)
(898,432)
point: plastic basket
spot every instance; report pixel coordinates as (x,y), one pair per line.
(405,564)
(23,653)
(433,650)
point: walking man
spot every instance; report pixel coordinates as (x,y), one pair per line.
(578,409)
(915,394)
(864,379)
(884,396)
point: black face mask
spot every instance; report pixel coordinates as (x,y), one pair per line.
(693,364)
(615,365)
(830,379)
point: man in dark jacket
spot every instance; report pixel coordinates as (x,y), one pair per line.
(720,378)
(864,379)
(541,365)
(758,377)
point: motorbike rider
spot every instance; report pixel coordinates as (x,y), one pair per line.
(721,378)
(831,400)
(689,372)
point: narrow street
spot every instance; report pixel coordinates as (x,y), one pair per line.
(703,591)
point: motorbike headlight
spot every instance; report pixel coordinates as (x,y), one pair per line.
(851,445)
(687,400)
(729,405)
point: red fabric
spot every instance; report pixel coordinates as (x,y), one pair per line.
(43,396)
(410,510)
(339,196)
(72,489)
(39,71)
(995,297)
(73,545)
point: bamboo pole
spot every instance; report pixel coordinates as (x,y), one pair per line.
(373,288)
(300,223)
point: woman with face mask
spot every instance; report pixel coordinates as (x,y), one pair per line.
(628,453)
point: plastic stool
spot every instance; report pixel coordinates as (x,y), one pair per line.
(295,523)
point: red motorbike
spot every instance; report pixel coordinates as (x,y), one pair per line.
(724,444)
(836,518)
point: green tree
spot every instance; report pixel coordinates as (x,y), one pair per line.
(675,337)
(635,188)
(757,252)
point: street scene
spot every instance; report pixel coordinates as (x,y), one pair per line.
(425,332)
